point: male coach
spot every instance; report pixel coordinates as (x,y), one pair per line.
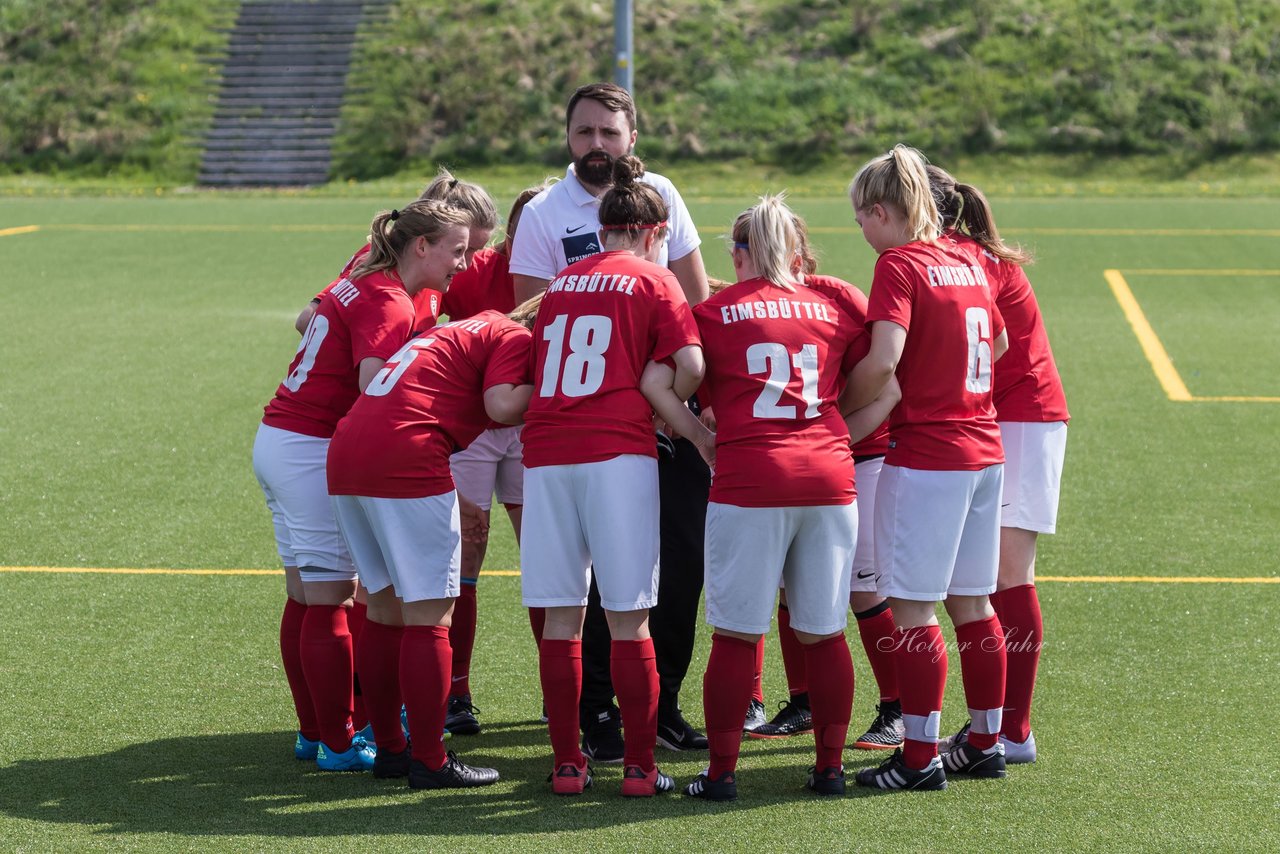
(557,228)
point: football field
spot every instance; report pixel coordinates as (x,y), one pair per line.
(143,702)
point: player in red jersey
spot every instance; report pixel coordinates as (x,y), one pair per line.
(394,499)
(464,195)
(1031,409)
(362,320)
(591,485)
(934,324)
(782,499)
(870,609)
(490,465)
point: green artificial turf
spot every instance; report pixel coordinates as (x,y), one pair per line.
(142,336)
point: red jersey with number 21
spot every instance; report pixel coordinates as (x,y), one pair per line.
(601,321)
(368,318)
(776,362)
(426,403)
(941,296)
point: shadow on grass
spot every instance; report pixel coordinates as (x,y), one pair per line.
(249,784)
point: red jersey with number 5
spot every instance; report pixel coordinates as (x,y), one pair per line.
(946,420)
(776,362)
(425,404)
(1026,386)
(601,321)
(368,318)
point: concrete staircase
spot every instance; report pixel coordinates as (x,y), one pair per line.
(283,80)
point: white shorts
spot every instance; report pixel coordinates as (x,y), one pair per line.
(749,550)
(494,462)
(413,545)
(1032,474)
(937,532)
(602,515)
(866,475)
(290,468)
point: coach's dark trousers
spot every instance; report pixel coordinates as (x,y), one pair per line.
(683,484)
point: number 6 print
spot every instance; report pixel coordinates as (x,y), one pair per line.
(978,327)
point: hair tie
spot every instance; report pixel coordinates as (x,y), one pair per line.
(742,244)
(395,214)
(453,184)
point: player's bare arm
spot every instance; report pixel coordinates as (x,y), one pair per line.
(872,374)
(528,287)
(369,369)
(659,384)
(1002,344)
(865,421)
(304,316)
(506,403)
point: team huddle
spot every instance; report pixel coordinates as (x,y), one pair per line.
(795,446)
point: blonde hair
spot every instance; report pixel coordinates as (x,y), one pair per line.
(391,231)
(526,313)
(898,179)
(772,239)
(463,195)
(715,286)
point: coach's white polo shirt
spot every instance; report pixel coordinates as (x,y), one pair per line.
(561,225)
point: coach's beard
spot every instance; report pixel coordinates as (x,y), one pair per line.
(595,168)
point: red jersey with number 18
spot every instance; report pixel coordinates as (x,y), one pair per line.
(368,318)
(426,403)
(601,321)
(776,362)
(941,296)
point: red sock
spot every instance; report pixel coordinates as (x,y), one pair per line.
(876,631)
(830,698)
(1019,611)
(982,667)
(635,682)
(922,678)
(425,659)
(793,657)
(378,660)
(291,657)
(326,660)
(356,617)
(537,620)
(560,666)
(462,637)
(726,694)
(757,685)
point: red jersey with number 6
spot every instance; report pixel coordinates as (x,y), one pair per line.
(1026,386)
(426,403)
(946,420)
(776,362)
(368,318)
(601,321)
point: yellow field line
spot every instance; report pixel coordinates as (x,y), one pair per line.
(19,229)
(512,573)
(1236,398)
(1164,271)
(1173,385)
(197,228)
